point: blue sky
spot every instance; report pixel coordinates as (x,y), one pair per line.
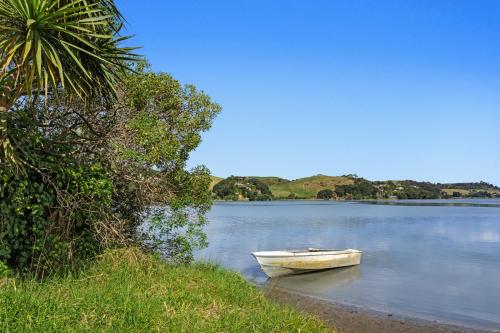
(383,89)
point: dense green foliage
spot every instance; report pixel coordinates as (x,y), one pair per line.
(242,188)
(360,189)
(409,189)
(39,225)
(325,194)
(93,173)
(127,291)
(160,125)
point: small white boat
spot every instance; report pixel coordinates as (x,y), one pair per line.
(278,263)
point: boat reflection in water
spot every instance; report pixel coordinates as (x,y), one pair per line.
(317,283)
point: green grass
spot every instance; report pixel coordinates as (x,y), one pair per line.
(127,291)
(269,181)
(304,187)
(308,187)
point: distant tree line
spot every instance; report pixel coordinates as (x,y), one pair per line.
(474,194)
(361,189)
(92,142)
(469,186)
(406,189)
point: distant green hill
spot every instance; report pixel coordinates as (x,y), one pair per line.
(348,187)
(308,187)
(270,181)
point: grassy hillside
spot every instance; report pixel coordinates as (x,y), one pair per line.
(269,181)
(215,180)
(470,189)
(127,291)
(308,187)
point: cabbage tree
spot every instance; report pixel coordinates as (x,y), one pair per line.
(53,46)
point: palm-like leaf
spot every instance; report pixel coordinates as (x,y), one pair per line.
(53,44)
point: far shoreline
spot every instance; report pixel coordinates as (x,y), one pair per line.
(450,202)
(360,200)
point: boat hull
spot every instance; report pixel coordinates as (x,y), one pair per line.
(279,263)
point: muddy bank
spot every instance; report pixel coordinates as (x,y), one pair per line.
(347,319)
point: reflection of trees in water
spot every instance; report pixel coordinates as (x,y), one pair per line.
(317,282)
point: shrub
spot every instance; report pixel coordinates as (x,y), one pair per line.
(93,173)
(325,194)
(250,188)
(4,270)
(49,210)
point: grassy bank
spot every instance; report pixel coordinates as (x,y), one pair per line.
(128,291)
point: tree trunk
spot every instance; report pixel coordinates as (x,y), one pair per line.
(3,119)
(9,93)
(6,149)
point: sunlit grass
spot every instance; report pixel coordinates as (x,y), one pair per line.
(127,291)
(308,187)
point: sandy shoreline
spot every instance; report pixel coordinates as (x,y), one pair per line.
(348,319)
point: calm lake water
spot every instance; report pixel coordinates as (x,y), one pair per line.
(431,262)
